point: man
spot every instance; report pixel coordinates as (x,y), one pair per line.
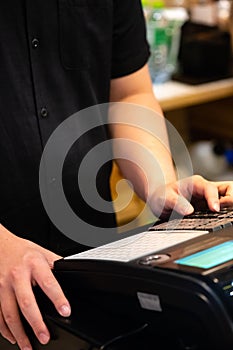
(57,58)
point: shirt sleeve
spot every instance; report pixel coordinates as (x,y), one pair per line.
(130,50)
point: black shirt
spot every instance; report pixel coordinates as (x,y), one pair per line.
(57,57)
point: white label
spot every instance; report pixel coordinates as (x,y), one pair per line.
(149,301)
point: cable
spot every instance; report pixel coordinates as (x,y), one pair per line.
(122,336)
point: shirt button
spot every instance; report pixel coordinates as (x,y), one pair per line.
(44,112)
(35,43)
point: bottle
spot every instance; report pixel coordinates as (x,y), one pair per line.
(176,16)
(157,39)
(163,34)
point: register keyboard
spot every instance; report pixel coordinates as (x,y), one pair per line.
(202,220)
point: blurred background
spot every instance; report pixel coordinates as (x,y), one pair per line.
(191,66)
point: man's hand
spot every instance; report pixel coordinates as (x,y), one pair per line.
(24,264)
(189,194)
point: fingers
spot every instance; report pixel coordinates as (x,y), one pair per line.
(177,196)
(48,283)
(30,310)
(211,195)
(199,189)
(225,188)
(4,330)
(216,194)
(165,200)
(23,264)
(12,328)
(42,275)
(226,194)
(182,206)
(16,293)
(219,194)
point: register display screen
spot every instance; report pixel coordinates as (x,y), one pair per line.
(209,257)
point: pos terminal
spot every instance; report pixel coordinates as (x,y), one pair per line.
(175,279)
(167,287)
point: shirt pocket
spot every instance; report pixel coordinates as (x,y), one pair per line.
(85,30)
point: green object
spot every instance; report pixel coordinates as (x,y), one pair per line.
(153,3)
(160,36)
(158,4)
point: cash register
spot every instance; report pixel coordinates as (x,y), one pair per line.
(169,286)
(175,279)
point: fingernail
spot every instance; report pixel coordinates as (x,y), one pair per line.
(44,338)
(65,310)
(185,210)
(27,348)
(216,206)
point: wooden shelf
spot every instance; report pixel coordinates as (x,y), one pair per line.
(175,95)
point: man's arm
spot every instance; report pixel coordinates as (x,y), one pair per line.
(136,89)
(145,157)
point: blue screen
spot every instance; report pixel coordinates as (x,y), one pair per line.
(209,257)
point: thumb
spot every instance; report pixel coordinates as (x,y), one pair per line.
(182,206)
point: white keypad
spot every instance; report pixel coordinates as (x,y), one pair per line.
(141,244)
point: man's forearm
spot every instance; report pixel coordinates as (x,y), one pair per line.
(142,141)
(139,123)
